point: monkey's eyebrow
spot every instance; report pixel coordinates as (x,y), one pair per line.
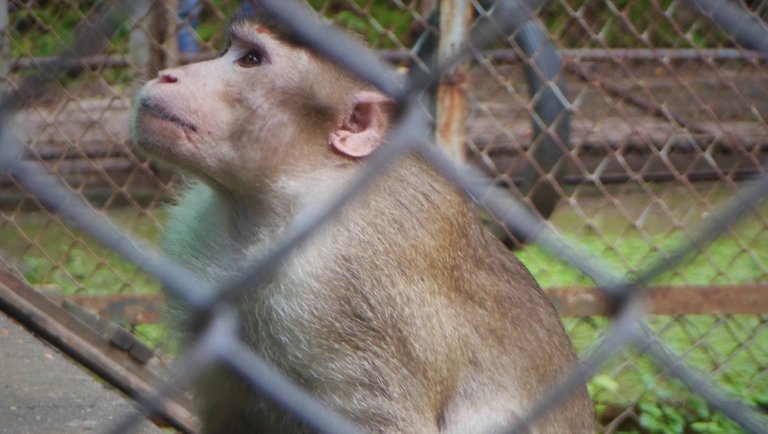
(247,39)
(244,37)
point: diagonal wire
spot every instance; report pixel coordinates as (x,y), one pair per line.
(188,366)
(91,37)
(281,389)
(219,343)
(70,205)
(513,214)
(339,48)
(406,133)
(506,16)
(621,333)
(743,202)
(748,30)
(735,409)
(95,34)
(333,44)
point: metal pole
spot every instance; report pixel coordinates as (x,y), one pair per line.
(5,52)
(170,44)
(452,106)
(138,43)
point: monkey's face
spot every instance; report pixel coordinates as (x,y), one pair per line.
(237,117)
(262,107)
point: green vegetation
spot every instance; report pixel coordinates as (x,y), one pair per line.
(51,255)
(43,27)
(730,351)
(629,24)
(740,257)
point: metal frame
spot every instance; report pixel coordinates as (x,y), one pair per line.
(219,342)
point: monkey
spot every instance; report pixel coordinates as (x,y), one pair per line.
(404,314)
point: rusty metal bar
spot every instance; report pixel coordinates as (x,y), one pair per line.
(5,50)
(636,54)
(171,40)
(669,300)
(570,301)
(139,51)
(451,106)
(164,31)
(120,308)
(79,341)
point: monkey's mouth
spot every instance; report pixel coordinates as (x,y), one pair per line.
(159,111)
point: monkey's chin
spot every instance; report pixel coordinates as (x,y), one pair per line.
(167,151)
(159,142)
(167,130)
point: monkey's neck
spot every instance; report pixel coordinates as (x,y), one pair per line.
(253,220)
(215,228)
(261,214)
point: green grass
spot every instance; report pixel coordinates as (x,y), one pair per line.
(730,351)
(52,255)
(629,237)
(43,28)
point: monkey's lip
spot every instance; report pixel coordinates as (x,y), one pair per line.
(158,111)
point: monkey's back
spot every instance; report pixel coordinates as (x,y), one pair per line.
(405,314)
(473,311)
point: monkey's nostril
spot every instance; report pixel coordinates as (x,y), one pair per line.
(166,77)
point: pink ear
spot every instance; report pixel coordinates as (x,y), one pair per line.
(362,128)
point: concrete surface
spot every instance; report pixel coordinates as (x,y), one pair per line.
(43,391)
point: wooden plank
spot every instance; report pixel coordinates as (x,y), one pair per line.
(120,308)
(669,300)
(569,301)
(5,51)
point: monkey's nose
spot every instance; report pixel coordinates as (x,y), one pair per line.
(167,77)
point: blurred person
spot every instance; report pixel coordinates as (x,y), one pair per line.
(189,17)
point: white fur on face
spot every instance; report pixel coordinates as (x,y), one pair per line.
(222,121)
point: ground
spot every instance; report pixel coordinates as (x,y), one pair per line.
(43,391)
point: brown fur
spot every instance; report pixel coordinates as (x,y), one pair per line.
(404,314)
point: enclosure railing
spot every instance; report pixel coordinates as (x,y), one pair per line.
(411,134)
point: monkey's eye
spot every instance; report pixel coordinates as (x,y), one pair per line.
(251,59)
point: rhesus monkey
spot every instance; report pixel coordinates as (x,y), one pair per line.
(404,314)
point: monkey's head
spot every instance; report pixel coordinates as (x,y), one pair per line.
(266,105)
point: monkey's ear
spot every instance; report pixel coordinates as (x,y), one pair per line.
(362,129)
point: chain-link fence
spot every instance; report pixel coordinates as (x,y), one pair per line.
(636,128)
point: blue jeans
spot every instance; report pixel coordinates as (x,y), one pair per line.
(189,18)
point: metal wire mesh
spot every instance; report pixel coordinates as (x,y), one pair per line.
(665,115)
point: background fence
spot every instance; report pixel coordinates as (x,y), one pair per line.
(662,117)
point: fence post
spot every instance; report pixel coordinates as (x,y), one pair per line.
(138,42)
(451,108)
(165,30)
(426,6)
(5,51)
(153,44)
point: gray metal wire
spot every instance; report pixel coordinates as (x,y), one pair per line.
(220,343)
